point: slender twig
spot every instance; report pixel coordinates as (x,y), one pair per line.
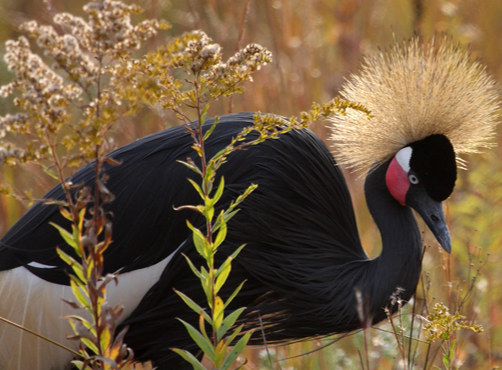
(361,359)
(323,346)
(264,339)
(427,355)
(40,336)
(366,350)
(411,330)
(435,354)
(398,340)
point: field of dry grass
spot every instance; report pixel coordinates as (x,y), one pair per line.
(316,44)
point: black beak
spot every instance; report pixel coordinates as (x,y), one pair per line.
(432,213)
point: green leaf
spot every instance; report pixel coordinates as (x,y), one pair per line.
(237,251)
(192,167)
(198,239)
(219,220)
(194,306)
(222,275)
(89,344)
(68,237)
(84,322)
(90,267)
(204,114)
(105,339)
(219,353)
(202,326)
(198,338)
(70,261)
(197,187)
(228,215)
(222,234)
(76,233)
(221,349)
(81,215)
(209,210)
(234,335)
(219,191)
(79,294)
(189,358)
(452,348)
(228,323)
(449,355)
(50,173)
(219,156)
(223,267)
(218,313)
(78,364)
(236,291)
(244,195)
(204,272)
(194,269)
(446,362)
(77,281)
(236,351)
(210,173)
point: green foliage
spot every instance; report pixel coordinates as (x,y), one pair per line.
(209,78)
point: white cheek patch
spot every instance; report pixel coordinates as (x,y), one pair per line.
(403,157)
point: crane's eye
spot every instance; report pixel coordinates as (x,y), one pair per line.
(413,179)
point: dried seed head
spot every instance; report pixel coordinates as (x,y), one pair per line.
(414,91)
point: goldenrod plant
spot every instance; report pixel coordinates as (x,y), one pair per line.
(68,102)
(209,79)
(442,325)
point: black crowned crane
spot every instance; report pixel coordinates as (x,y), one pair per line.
(303,261)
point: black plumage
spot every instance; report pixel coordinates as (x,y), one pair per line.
(303,261)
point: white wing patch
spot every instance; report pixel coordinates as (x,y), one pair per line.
(37,304)
(40,265)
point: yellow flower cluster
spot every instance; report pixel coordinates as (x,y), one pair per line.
(442,324)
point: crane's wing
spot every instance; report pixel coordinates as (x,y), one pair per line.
(150,182)
(147,185)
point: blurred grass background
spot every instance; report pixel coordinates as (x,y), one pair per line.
(316,44)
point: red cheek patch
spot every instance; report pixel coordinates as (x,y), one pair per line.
(397,181)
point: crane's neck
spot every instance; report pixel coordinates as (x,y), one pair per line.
(399,263)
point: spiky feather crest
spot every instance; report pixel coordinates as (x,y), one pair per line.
(413,91)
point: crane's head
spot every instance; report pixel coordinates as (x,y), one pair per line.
(414,91)
(429,102)
(422,175)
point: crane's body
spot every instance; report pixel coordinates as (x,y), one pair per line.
(298,225)
(303,262)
